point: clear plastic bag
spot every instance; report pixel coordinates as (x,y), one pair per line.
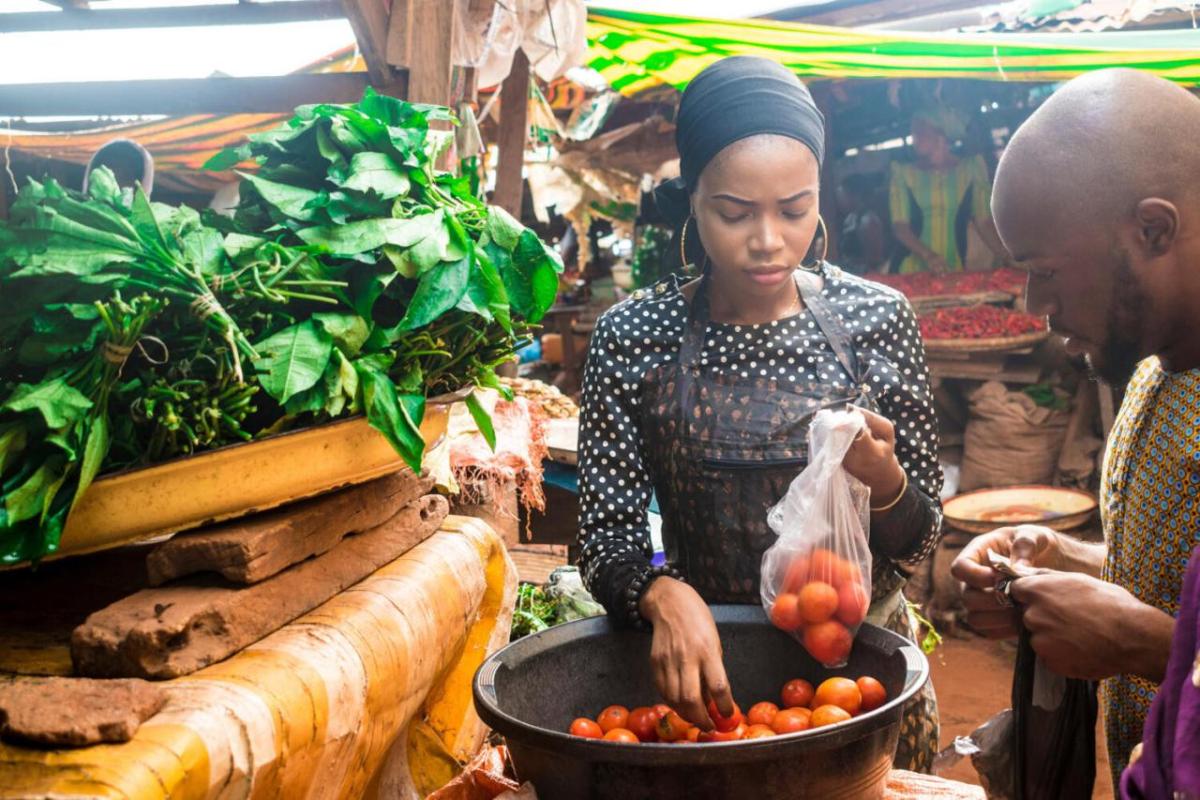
(816,578)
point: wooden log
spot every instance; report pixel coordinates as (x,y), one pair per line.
(250,550)
(170,631)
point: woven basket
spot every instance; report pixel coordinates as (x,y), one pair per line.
(996,345)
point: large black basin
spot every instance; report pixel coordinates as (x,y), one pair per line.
(532,689)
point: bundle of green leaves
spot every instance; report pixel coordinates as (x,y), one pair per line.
(355,278)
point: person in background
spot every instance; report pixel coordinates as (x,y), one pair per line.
(129,161)
(862,244)
(928,197)
(1105,217)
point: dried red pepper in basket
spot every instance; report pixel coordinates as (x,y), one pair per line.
(929,284)
(979,322)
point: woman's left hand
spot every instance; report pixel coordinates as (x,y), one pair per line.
(872,459)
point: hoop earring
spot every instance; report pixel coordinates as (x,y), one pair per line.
(816,267)
(683,241)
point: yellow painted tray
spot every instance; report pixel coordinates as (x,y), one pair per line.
(141,504)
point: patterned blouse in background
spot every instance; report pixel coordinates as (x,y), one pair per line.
(637,334)
(1150,501)
(938,196)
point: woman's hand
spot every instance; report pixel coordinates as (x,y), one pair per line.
(872,459)
(686,651)
(1028,545)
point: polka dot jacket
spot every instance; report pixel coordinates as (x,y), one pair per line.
(646,331)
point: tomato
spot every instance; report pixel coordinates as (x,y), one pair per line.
(828,715)
(873,693)
(737,734)
(840,692)
(724,724)
(662,709)
(853,601)
(796,575)
(693,735)
(759,732)
(586,728)
(620,735)
(672,727)
(823,565)
(791,720)
(785,613)
(642,721)
(762,714)
(828,642)
(797,693)
(845,572)
(818,602)
(613,717)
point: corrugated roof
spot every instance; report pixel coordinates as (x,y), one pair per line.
(1095,16)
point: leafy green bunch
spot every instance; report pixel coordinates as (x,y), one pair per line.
(356,277)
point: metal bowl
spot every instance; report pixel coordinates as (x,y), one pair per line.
(531,691)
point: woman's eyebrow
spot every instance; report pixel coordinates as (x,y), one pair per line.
(743,202)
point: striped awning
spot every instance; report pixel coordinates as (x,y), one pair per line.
(634,51)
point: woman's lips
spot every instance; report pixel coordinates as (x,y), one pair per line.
(769,276)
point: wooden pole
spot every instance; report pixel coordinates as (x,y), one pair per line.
(429,49)
(510,142)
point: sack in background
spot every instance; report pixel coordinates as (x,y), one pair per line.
(1010,440)
(816,578)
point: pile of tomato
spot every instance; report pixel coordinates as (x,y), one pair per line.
(822,600)
(930,284)
(803,708)
(978,322)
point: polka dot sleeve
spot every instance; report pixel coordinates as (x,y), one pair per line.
(912,530)
(615,487)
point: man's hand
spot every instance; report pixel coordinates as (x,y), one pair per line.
(1083,627)
(1028,545)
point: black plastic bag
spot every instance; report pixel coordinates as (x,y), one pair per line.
(1054,731)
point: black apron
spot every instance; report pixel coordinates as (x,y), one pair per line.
(722,449)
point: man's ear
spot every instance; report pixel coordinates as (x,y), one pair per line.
(1157,226)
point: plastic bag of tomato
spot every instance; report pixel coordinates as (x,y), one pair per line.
(801,708)
(816,581)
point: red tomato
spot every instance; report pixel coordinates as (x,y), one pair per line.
(620,735)
(796,575)
(762,714)
(734,735)
(724,724)
(693,735)
(828,642)
(823,565)
(853,601)
(846,572)
(785,612)
(791,720)
(672,727)
(587,728)
(840,692)
(662,709)
(613,717)
(759,732)
(818,602)
(873,693)
(643,722)
(797,693)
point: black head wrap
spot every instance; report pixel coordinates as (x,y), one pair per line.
(730,100)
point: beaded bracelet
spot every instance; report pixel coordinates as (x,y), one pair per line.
(638,586)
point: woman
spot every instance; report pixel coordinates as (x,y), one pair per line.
(702,392)
(935,191)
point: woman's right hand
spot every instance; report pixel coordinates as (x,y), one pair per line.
(1029,545)
(686,651)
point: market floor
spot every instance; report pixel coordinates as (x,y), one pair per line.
(973,678)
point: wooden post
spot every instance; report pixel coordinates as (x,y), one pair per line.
(510,142)
(4,195)
(426,47)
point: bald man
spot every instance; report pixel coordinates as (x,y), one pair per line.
(1098,197)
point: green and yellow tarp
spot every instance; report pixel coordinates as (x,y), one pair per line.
(635,51)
